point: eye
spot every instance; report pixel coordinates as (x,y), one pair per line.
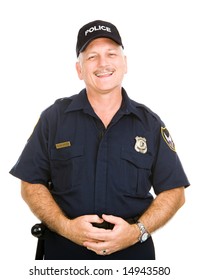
(112,54)
(91,57)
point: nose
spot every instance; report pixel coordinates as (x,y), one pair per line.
(103,60)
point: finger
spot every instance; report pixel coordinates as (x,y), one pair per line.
(96,246)
(112,219)
(99,234)
(93,219)
(103,252)
(102,248)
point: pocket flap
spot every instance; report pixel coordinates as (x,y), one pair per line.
(139,160)
(67,152)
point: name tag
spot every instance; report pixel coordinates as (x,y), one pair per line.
(63,145)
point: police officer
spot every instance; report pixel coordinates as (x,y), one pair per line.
(92,159)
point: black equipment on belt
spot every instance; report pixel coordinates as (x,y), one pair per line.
(39,230)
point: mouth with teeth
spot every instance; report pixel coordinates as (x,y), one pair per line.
(103,74)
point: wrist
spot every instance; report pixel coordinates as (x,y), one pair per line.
(63,225)
(143,233)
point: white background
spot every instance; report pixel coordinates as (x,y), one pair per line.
(37,66)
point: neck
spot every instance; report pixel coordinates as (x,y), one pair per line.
(105,105)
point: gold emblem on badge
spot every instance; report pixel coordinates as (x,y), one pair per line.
(140,145)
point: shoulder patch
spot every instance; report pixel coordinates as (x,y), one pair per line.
(167,138)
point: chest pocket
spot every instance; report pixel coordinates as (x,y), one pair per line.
(67,167)
(136,172)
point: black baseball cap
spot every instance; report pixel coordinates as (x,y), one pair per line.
(96,29)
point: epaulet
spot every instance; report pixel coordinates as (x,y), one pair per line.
(64,102)
(147,110)
(61,104)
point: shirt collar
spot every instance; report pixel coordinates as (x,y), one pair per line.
(80,102)
(128,105)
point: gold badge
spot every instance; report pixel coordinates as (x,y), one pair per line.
(140,145)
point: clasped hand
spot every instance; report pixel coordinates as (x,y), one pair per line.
(102,241)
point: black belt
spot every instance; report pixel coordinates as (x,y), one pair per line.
(107,225)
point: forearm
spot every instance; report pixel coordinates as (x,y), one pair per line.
(44,206)
(163,208)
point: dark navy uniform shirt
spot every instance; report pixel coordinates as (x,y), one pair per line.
(90,169)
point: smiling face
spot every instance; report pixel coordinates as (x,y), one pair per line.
(102,66)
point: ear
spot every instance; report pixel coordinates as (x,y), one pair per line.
(79,70)
(126,67)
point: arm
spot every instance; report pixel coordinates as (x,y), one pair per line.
(163,208)
(123,235)
(42,204)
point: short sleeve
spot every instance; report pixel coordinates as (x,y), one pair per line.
(33,164)
(168,172)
